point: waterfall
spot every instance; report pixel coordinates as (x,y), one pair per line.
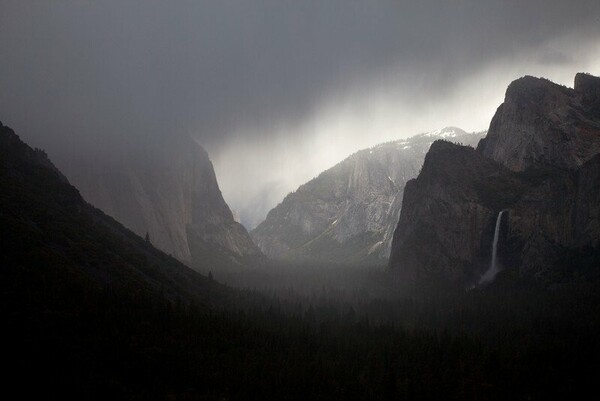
(490,274)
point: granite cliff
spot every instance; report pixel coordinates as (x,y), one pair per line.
(55,244)
(170,192)
(544,124)
(348,213)
(540,163)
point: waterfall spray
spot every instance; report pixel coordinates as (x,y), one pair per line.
(490,274)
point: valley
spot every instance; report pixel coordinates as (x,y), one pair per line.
(422,261)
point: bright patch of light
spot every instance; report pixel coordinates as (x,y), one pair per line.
(255,175)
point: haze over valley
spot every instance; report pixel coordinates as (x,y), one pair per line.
(300,200)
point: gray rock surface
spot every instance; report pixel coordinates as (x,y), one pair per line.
(542,123)
(170,192)
(550,191)
(348,213)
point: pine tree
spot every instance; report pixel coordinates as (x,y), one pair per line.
(147,237)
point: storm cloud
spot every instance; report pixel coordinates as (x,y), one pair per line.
(275,90)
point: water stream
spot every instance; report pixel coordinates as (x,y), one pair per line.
(490,274)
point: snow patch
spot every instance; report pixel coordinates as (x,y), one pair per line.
(443,133)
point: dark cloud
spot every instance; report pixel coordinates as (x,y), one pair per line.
(212,66)
(75,73)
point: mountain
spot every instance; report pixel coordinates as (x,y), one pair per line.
(52,240)
(170,191)
(92,311)
(544,124)
(348,213)
(540,164)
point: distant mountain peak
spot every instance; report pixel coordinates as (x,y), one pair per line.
(348,213)
(447,132)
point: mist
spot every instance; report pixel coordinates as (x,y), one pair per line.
(275,91)
(459,264)
(381,111)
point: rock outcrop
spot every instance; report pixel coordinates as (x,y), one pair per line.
(549,188)
(348,213)
(171,193)
(541,123)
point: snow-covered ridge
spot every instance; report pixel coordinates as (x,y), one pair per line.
(448,132)
(443,133)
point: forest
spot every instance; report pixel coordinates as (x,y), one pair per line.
(309,340)
(300,200)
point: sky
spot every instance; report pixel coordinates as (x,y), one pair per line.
(276,91)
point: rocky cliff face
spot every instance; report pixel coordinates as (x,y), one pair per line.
(542,123)
(548,188)
(170,192)
(349,212)
(54,242)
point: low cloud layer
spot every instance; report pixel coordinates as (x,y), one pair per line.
(277,91)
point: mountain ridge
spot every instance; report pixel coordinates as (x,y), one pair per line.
(547,188)
(543,123)
(347,214)
(170,191)
(50,231)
